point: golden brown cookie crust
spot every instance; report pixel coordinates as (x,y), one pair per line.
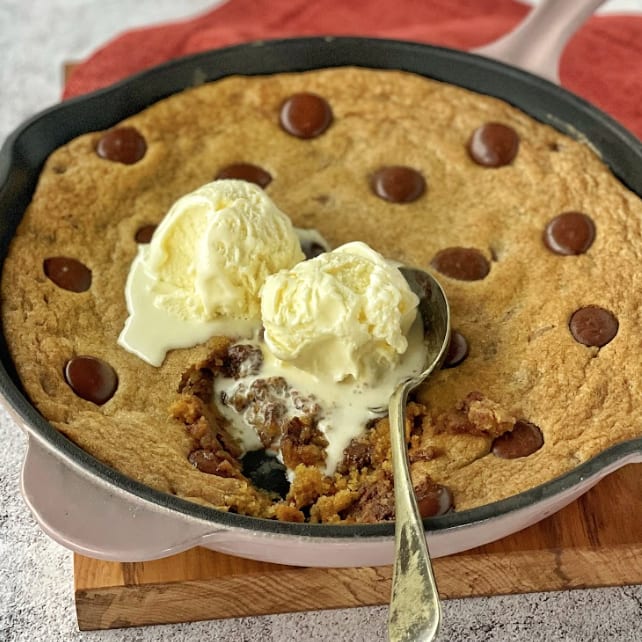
(522,355)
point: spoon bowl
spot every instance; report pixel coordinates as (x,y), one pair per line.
(415,611)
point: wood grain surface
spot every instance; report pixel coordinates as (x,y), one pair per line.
(595,541)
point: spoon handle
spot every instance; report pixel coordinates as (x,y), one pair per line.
(415,611)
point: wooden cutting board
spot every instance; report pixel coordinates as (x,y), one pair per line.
(595,541)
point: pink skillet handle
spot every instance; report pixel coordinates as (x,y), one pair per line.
(94,518)
(537,43)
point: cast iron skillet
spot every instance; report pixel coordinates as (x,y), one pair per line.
(25,151)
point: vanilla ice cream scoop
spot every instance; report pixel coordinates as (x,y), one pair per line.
(213,251)
(203,270)
(344,314)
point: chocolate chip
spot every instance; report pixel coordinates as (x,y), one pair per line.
(122,145)
(463,263)
(433,499)
(246,172)
(305,115)
(523,440)
(493,145)
(569,233)
(91,379)
(144,234)
(593,326)
(398,184)
(312,249)
(457,350)
(67,273)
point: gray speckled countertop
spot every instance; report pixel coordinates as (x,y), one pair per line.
(36,585)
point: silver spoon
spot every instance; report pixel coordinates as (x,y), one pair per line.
(415,611)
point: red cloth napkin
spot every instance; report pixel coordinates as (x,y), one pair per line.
(602,63)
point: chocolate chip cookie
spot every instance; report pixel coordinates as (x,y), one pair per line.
(537,245)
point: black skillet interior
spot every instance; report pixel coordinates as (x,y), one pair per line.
(25,151)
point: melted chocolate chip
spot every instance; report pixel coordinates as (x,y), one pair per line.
(457,350)
(433,500)
(305,115)
(68,274)
(242,360)
(122,145)
(593,326)
(493,145)
(523,440)
(398,184)
(144,234)
(266,472)
(246,172)
(91,379)
(358,455)
(569,233)
(462,263)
